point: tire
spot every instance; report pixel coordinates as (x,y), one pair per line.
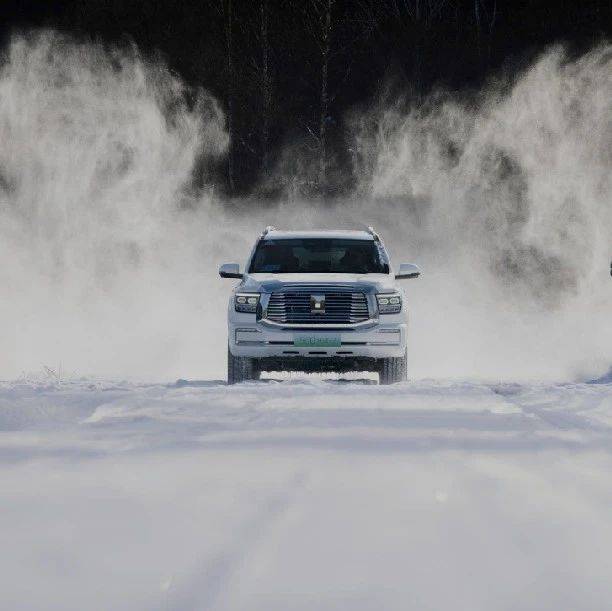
(393,370)
(241,368)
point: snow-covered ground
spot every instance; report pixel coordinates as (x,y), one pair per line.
(305,495)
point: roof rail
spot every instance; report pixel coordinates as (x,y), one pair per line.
(267,230)
(373,234)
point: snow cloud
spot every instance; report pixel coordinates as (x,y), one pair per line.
(108,251)
(101,236)
(505,197)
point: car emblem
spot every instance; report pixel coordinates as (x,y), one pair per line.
(317,304)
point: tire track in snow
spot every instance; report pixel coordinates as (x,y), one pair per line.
(560,419)
(208,583)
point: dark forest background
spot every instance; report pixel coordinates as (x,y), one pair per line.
(288,73)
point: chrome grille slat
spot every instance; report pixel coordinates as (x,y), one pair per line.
(343,305)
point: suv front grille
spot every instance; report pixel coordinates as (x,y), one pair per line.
(294,306)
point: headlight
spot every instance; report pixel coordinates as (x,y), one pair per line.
(389,304)
(246,302)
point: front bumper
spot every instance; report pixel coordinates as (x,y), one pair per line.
(375,341)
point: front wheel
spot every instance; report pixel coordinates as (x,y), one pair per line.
(393,370)
(241,368)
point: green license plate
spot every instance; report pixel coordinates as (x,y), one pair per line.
(312,341)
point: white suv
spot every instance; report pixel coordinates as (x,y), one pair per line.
(317,301)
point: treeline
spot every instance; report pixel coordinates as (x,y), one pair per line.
(287,72)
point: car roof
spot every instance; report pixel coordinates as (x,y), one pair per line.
(343,234)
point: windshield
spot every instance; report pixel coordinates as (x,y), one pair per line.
(318,255)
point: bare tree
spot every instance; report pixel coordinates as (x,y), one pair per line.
(266,85)
(417,17)
(326,32)
(321,27)
(485,12)
(336,31)
(228,18)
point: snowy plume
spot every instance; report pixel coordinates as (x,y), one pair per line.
(523,178)
(108,253)
(97,221)
(99,146)
(506,198)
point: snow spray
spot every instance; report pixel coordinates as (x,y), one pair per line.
(109,252)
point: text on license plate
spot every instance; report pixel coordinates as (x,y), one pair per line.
(313,341)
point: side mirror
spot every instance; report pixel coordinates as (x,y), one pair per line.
(408,270)
(230,270)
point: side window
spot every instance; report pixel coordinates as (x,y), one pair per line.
(384,258)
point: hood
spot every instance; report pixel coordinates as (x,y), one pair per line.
(367,283)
